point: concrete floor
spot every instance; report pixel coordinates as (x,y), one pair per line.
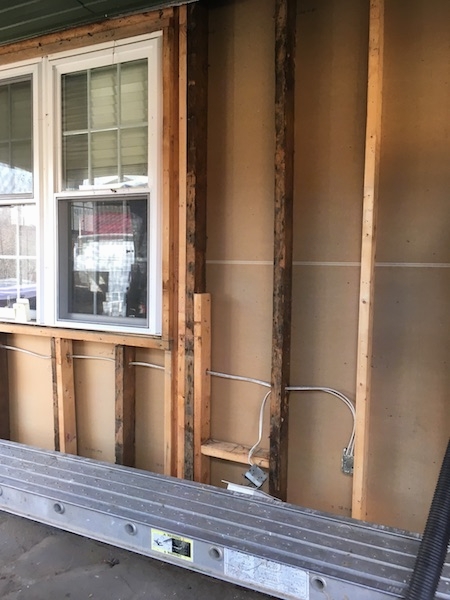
(41,563)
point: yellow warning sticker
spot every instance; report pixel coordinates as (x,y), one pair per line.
(172,545)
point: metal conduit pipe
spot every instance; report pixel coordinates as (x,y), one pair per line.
(433,548)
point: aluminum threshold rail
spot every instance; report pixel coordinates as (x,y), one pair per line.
(262,544)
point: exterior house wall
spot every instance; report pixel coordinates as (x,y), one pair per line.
(410,420)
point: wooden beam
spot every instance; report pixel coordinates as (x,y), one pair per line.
(182,271)
(104,337)
(192,261)
(202,385)
(64,396)
(5,431)
(80,37)
(125,406)
(235,453)
(285,28)
(170,421)
(368,247)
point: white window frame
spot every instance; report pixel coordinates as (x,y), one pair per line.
(47,177)
(9,73)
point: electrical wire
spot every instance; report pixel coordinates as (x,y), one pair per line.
(351,444)
(348,451)
(260,429)
(239,378)
(149,365)
(91,356)
(30,352)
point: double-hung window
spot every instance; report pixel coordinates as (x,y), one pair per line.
(99,167)
(18,185)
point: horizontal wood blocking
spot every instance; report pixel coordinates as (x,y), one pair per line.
(94,33)
(235,453)
(124,339)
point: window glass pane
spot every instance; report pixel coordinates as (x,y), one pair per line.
(21,110)
(75,160)
(8,232)
(74,102)
(21,154)
(17,254)
(16,138)
(108,258)
(27,230)
(133,93)
(103,97)
(104,158)
(104,121)
(134,154)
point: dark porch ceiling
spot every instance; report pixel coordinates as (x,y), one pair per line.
(21,19)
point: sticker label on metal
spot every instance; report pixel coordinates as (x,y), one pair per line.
(271,575)
(173,545)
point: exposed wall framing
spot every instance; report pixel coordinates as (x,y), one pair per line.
(125,406)
(65,417)
(368,248)
(285,31)
(193,62)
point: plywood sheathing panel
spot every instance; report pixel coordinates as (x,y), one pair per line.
(331,84)
(240,132)
(410,420)
(324,330)
(95,392)
(410,417)
(31,392)
(150,387)
(241,341)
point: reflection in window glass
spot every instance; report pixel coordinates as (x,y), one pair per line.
(18,254)
(107,258)
(104,127)
(16,138)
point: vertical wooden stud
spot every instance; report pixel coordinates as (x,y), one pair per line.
(192,256)
(170,420)
(202,386)
(285,28)
(125,406)
(64,396)
(5,431)
(182,271)
(368,248)
(55,396)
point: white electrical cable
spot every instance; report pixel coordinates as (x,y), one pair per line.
(91,356)
(36,354)
(260,429)
(350,446)
(239,378)
(149,365)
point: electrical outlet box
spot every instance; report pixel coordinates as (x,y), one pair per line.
(256,476)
